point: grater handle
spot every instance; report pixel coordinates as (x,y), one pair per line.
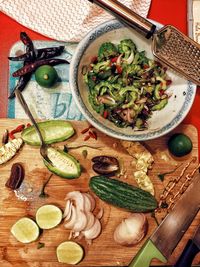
(128,16)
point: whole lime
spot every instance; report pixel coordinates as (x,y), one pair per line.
(180,145)
(46,76)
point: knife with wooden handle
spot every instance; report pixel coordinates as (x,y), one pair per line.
(163,241)
(190,251)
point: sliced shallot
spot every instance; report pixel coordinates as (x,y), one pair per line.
(94,231)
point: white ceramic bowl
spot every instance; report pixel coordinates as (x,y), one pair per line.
(182,91)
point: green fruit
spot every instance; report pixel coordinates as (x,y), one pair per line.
(48,216)
(46,76)
(122,195)
(64,164)
(52,131)
(25,230)
(180,145)
(69,252)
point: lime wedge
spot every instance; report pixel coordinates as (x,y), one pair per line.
(25,230)
(69,252)
(48,216)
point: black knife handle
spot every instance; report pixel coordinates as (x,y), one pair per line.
(188,254)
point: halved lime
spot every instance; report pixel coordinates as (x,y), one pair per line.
(69,252)
(25,230)
(48,216)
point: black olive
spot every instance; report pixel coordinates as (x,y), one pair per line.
(105,165)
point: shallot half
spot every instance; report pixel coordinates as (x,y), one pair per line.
(131,230)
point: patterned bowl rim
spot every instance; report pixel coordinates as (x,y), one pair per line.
(73,82)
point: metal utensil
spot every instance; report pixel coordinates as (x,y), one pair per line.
(190,251)
(43,146)
(169,45)
(166,237)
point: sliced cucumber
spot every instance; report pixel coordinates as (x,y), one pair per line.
(48,216)
(69,252)
(64,164)
(25,230)
(52,131)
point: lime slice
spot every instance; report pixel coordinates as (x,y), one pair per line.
(48,216)
(69,252)
(25,230)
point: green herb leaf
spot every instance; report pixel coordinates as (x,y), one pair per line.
(65,149)
(42,193)
(40,245)
(161,176)
(85,153)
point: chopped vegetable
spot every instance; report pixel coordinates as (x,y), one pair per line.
(63,164)
(25,230)
(144,161)
(52,131)
(48,216)
(9,150)
(131,230)
(69,252)
(180,145)
(125,86)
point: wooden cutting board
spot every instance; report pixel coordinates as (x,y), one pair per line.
(103,251)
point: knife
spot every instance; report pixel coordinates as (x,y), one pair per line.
(190,251)
(163,241)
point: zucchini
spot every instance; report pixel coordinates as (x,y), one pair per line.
(122,195)
(52,131)
(64,164)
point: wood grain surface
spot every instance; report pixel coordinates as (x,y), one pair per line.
(103,251)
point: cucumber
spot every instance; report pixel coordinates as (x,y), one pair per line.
(64,164)
(122,195)
(52,131)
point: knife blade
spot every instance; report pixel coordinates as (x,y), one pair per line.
(163,241)
(190,251)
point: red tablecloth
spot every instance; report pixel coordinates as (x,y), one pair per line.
(164,11)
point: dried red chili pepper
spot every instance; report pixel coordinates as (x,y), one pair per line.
(28,125)
(105,114)
(114,59)
(93,135)
(86,129)
(119,69)
(30,68)
(43,53)
(19,129)
(87,137)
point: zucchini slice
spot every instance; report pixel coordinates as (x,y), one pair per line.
(52,131)
(64,164)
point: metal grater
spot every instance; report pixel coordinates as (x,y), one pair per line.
(170,46)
